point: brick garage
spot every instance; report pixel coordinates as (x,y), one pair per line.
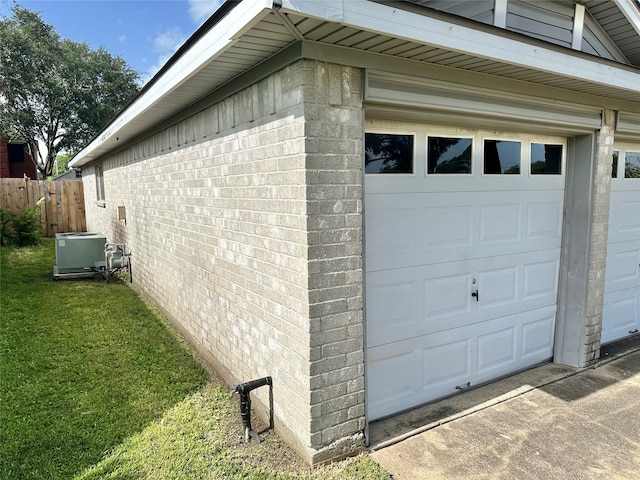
(248,221)
(246,198)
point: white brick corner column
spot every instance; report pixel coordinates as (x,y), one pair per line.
(599,237)
(584,246)
(334,132)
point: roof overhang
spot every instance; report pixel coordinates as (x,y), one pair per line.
(254,31)
(631,11)
(471,41)
(179,85)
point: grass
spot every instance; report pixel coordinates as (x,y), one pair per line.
(95,385)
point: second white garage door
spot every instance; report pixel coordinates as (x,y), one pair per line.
(621,315)
(463,234)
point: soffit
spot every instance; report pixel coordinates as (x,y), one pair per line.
(607,13)
(621,30)
(333,33)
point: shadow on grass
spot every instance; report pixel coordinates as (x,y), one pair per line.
(95,385)
(84,365)
(187,442)
(201,438)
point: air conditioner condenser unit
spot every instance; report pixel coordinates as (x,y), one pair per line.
(79,253)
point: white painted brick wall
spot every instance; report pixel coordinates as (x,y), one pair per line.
(245,228)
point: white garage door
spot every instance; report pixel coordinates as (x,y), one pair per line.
(621,315)
(463,234)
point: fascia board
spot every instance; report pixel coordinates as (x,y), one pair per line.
(397,23)
(213,43)
(329,10)
(631,11)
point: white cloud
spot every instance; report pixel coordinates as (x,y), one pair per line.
(165,44)
(169,40)
(151,71)
(200,10)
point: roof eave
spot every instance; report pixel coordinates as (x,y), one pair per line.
(209,44)
(631,11)
(383,19)
(210,41)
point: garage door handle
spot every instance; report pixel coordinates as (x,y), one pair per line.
(476,295)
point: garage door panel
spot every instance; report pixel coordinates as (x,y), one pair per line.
(623,266)
(409,302)
(624,220)
(443,361)
(393,311)
(448,227)
(627,218)
(453,362)
(391,380)
(448,361)
(621,311)
(380,184)
(451,228)
(500,224)
(392,231)
(519,341)
(497,349)
(541,280)
(498,287)
(447,296)
(514,283)
(537,336)
(544,221)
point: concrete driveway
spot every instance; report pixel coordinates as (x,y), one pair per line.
(551,422)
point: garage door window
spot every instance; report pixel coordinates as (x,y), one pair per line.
(546,159)
(448,155)
(502,157)
(614,164)
(388,153)
(632,165)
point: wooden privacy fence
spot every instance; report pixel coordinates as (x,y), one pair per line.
(62,210)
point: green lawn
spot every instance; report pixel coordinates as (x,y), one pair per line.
(94,384)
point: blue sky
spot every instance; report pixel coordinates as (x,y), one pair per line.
(143,32)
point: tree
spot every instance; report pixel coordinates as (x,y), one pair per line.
(61,163)
(393,152)
(55,94)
